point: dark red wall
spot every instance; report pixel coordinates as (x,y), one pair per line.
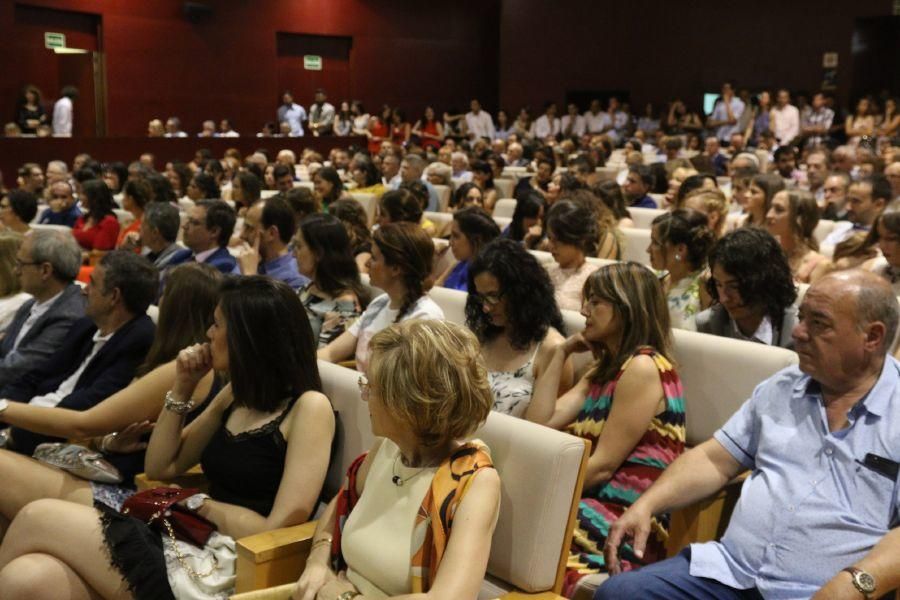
(659,50)
(159,64)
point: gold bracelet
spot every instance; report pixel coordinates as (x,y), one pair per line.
(321,542)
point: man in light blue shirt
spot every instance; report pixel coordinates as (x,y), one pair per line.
(291,113)
(268,228)
(818,515)
(725,114)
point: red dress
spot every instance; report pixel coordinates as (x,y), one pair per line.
(426,142)
(102,236)
(381,131)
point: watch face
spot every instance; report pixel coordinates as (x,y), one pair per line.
(866,582)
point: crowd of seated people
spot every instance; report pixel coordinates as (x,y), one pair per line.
(165,319)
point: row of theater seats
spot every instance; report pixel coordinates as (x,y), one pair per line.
(541,470)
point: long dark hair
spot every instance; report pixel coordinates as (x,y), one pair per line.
(528,206)
(100,199)
(271,350)
(531,307)
(477,226)
(185,312)
(331,175)
(611,195)
(336,269)
(407,247)
(689,227)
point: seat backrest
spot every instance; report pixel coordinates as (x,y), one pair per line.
(307,184)
(353,434)
(505,208)
(643,217)
(267,193)
(541,472)
(636,242)
(125,218)
(505,187)
(368,202)
(718,375)
(502,222)
(51,227)
(607,173)
(658,198)
(443,257)
(822,230)
(441,222)
(443,192)
(452,302)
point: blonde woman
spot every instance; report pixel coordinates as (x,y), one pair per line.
(713,204)
(427,390)
(11,295)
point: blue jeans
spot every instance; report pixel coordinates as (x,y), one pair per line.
(669,580)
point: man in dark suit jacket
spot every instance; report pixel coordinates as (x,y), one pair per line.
(46,265)
(101,352)
(207,232)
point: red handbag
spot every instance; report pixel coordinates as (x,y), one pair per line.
(159,509)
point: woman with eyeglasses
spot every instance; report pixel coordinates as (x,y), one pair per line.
(401,263)
(417,512)
(512,311)
(629,405)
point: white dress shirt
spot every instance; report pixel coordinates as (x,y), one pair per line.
(62,117)
(480,125)
(543,127)
(597,123)
(785,123)
(578,128)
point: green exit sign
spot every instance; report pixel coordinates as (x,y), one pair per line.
(312,62)
(54,40)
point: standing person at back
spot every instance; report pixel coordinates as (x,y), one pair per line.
(63,112)
(725,114)
(784,120)
(291,113)
(321,115)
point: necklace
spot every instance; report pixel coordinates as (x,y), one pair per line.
(399,481)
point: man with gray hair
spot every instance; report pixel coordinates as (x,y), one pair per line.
(158,232)
(46,265)
(819,515)
(411,169)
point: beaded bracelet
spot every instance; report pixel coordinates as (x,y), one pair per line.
(176,406)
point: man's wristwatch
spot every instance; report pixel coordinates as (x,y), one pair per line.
(196,501)
(862,581)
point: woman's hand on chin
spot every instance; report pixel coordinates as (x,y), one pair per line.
(192,364)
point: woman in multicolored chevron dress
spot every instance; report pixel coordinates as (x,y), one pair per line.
(629,405)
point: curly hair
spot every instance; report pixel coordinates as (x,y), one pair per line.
(531,307)
(352,214)
(755,258)
(407,247)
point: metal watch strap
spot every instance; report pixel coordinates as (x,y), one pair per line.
(349,595)
(856,575)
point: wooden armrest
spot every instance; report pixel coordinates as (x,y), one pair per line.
(273,558)
(281,592)
(705,520)
(192,478)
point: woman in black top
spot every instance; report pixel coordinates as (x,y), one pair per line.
(29,113)
(264,444)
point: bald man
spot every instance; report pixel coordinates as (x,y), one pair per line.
(818,515)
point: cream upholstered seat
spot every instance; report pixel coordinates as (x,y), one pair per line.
(607,173)
(541,472)
(443,192)
(267,193)
(505,187)
(636,242)
(452,302)
(125,218)
(443,257)
(369,202)
(643,217)
(823,228)
(502,222)
(441,222)
(505,208)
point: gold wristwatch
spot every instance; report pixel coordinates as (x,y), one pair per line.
(862,581)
